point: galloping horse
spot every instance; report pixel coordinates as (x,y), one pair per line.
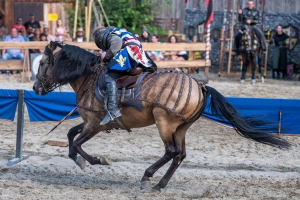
(250,50)
(170,99)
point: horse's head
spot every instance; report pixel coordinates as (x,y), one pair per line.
(44,79)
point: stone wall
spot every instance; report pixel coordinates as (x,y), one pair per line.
(195,17)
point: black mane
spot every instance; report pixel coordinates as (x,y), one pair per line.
(71,62)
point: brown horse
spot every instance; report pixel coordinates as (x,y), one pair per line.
(171,99)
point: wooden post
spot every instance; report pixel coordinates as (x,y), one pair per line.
(221,52)
(266,61)
(85,20)
(89,21)
(75,19)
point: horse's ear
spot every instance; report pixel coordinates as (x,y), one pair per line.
(51,46)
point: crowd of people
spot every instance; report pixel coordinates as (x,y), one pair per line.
(31,31)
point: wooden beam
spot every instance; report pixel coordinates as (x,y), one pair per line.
(11,65)
(181,64)
(92,45)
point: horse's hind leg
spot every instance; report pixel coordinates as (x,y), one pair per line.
(71,135)
(178,155)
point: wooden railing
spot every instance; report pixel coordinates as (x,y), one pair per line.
(192,48)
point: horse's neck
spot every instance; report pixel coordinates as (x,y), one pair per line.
(77,84)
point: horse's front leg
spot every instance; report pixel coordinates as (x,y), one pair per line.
(71,135)
(87,133)
(253,63)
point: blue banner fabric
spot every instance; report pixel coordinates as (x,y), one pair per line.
(8,104)
(51,107)
(265,109)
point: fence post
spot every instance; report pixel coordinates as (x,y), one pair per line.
(20,125)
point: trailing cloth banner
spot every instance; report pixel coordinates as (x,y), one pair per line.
(56,105)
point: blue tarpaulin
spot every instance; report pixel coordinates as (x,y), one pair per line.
(266,109)
(51,107)
(8,104)
(56,105)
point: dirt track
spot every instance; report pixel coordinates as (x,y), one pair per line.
(219,163)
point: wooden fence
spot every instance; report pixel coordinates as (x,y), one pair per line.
(192,48)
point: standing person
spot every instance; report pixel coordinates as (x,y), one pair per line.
(280,40)
(60,31)
(19,25)
(146,36)
(250,16)
(2,27)
(50,38)
(123,53)
(79,36)
(32,22)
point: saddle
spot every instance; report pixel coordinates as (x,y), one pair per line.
(127,88)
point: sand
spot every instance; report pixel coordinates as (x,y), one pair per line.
(219,163)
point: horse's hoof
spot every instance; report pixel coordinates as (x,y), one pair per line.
(80,161)
(145,184)
(105,160)
(262,79)
(253,81)
(155,189)
(242,81)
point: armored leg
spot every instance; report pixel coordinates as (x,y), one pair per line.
(261,37)
(112,90)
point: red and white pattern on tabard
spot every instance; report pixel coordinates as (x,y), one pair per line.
(138,55)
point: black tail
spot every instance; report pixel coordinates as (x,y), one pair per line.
(247,127)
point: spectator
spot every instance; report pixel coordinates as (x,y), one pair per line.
(146,36)
(2,27)
(48,35)
(23,33)
(60,31)
(36,37)
(137,35)
(68,36)
(29,31)
(79,36)
(156,55)
(32,22)
(176,55)
(2,38)
(8,54)
(43,38)
(19,25)
(280,40)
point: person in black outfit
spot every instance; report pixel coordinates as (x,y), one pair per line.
(32,22)
(250,16)
(279,39)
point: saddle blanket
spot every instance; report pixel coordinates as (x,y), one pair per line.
(128,94)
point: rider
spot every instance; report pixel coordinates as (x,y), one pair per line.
(123,53)
(250,16)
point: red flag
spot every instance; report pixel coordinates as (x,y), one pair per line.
(210,12)
(185,1)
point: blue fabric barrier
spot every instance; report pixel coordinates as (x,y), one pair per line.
(8,104)
(51,107)
(265,109)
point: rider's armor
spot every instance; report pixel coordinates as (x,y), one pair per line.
(253,15)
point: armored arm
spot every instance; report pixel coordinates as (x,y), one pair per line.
(115,47)
(255,17)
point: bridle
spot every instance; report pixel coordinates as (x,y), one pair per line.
(47,88)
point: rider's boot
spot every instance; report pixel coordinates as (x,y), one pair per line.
(112,103)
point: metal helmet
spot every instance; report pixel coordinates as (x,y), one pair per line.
(102,37)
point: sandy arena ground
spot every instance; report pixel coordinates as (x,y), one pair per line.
(219,163)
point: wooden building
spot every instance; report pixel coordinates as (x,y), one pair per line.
(10,10)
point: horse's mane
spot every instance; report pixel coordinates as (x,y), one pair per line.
(71,62)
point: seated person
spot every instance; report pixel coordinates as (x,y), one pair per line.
(156,55)
(19,25)
(8,54)
(43,38)
(48,35)
(36,37)
(176,55)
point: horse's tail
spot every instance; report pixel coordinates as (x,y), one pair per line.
(247,127)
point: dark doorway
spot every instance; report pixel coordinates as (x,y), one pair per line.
(23,10)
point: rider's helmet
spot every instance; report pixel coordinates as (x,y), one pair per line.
(102,37)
